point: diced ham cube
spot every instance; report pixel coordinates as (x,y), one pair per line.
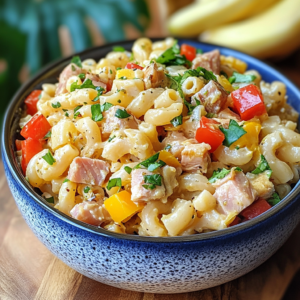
(209,61)
(141,194)
(154,77)
(212,96)
(91,213)
(175,139)
(234,192)
(69,71)
(195,157)
(111,122)
(229,114)
(87,170)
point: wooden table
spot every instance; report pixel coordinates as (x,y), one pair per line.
(29,271)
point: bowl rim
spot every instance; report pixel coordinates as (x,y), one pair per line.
(9,156)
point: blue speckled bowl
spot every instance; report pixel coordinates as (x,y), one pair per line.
(147,264)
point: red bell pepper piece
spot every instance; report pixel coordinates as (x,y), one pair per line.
(209,133)
(255,209)
(237,220)
(189,51)
(249,102)
(18,144)
(36,128)
(133,66)
(31,102)
(30,148)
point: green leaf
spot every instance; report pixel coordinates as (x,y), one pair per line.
(87,84)
(224,74)
(100,91)
(49,158)
(122,114)
(77,61)
(128,169)
(48,135)
(123,78)
(233,133)
(56,105)
(262,167)
(118,49)
(210,115)
(274,200)
(111,138)
(146,163)
(86,189)
(156,165)
(77,114)
(237,77)
(77,108)
(153,179)
(106,106)
(113,183)
(199,51)
(168,147)
(149,186)
(50,200)
(81,76)
(218,174)
(176,121)
(66,180)
(96,112)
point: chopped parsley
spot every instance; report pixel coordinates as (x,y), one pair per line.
(57,105)
(123,78)
(111,138)
(274,199)
(96,112)
(49,158)
(172,57)
(218,174)
(146,163)
(110,71)
(154,179)
(73,68)
(156,165)
(224,74)
(168,147)
(77,108)
(237,148)
(66,180)
(210,115)
(128,170)
(86,189)
(122,114)
(106,106)
(48,135)
(81,76)
(176,121)
(113,183)
(199,51)
(77,114)
(149,186)
(119,49)
(50,200)
(67,114)
(233,133)
(100,91)
(262,167)
(86,84)
(237,77)
(77,61)
(118,68)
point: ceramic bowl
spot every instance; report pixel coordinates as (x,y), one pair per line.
(149,264)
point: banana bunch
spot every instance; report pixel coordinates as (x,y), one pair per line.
(263,28)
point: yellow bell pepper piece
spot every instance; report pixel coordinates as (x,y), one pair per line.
(120,206)
(125,73)
(251,138)
(169,158)
(235,63)
(225,83)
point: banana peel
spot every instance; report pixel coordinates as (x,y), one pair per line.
(206,14)
(275,32)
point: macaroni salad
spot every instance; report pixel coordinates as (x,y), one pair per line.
(162,141)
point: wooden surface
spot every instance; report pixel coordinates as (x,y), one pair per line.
(28,271)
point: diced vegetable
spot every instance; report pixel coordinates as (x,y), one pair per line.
(133,66)
(125,74)
(31,102)
(36,128)
(255,209)
(225,83)
(248,101)
(189,51)
(233,62)
(30,148)
(120,206)
(209,133)
(237,220)
(233,133)
(169,158)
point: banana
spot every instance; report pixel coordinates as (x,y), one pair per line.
(203,15)
(275,32)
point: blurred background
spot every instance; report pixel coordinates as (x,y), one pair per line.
(34,33)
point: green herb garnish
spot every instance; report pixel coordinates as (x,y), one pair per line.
(149,186)
(274,199)
(122,114)
(111,138)
(168,147)
(86,84)
(49,158)
(123,78)
(77,61)
(96,112)
(237,77)
(119,49)
(176,121)
(127,169)
(146,163)
(153,179)
(218,174)
(156,165)
(262,167)
(106,106)
(81,76)
(86,189)
(50,200)
(199,51)
(233,133)
(48,135)
(57,105)
(66,180)
(113,183)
